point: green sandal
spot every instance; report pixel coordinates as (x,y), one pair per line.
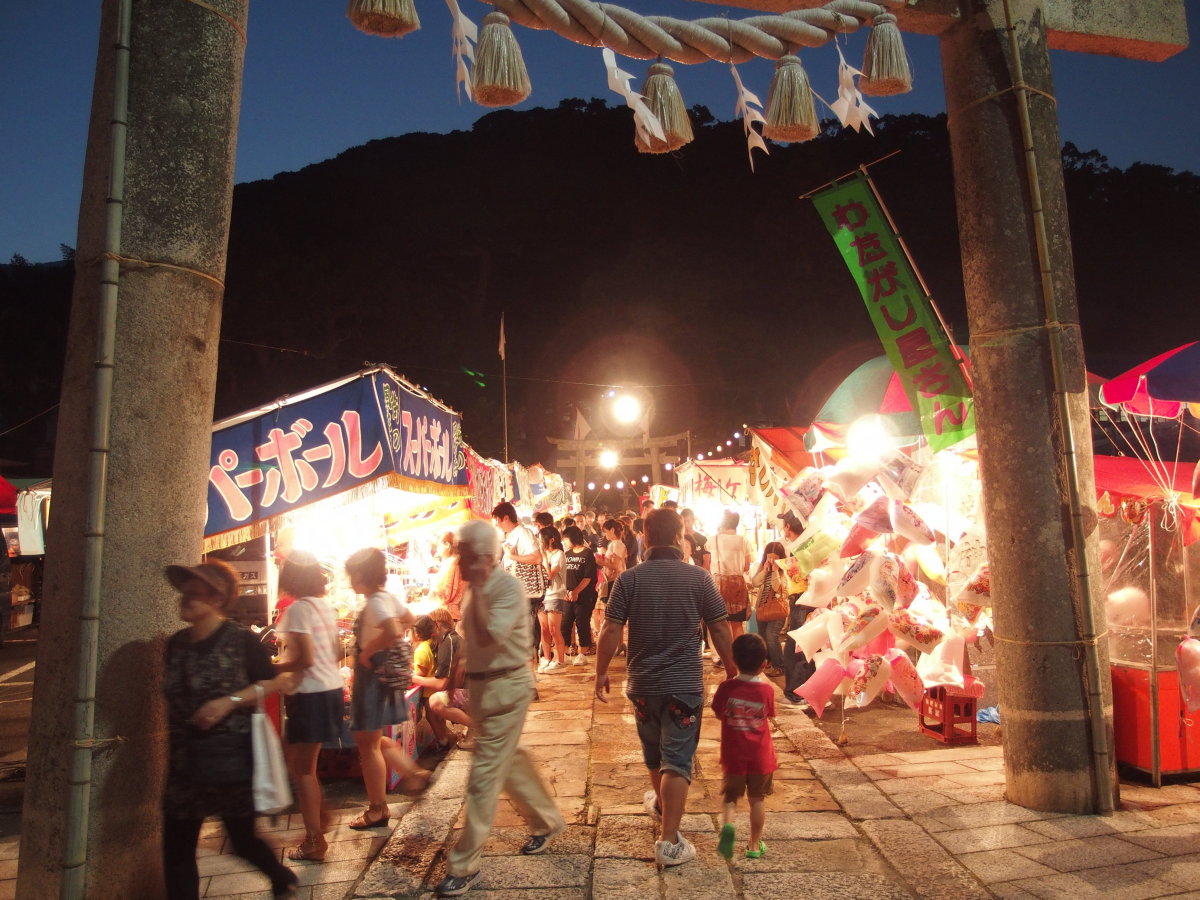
(726,842)
(759,853)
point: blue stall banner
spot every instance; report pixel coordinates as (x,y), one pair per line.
(358,431)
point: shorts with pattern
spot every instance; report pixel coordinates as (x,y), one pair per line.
(668,726)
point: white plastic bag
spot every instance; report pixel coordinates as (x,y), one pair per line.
(272,793)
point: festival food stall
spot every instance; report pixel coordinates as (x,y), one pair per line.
(711,486)
(366,461)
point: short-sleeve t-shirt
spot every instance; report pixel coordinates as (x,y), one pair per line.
(424,662)
(744,706)
(314,616)
(557,586)
(664,600)
(581,566)
(520,543)
(379,606)
(448,653)
(615,557)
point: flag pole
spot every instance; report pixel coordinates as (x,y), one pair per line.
(504,382)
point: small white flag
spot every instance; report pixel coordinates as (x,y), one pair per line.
(582,428)
(502,336)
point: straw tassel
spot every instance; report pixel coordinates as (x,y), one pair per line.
(663,97)
(385,18)
(500,76)
(791,115)
(885,64)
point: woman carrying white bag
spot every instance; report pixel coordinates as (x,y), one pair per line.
(315,709)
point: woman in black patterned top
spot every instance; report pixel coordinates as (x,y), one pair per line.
(212,669)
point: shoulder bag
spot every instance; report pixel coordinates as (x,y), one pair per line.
(771,605)
(731,587)
(272,793)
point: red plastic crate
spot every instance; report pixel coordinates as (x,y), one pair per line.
(943,715)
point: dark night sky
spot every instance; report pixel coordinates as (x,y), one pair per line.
(315,86)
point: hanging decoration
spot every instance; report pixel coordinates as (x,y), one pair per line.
(666,103)
(885,64)
(645,122)
(850,108)
(747,109)
(500,77)
(791,113)
(384,18)
(464,34)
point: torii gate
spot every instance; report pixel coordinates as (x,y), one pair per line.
(159,171)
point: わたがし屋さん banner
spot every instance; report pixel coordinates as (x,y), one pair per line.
(373,429)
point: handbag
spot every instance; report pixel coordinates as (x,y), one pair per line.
(771,606)
(272,793)
(395,670)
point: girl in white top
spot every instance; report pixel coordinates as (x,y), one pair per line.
(553,647)
(314,710)
(731,556)
(615,562)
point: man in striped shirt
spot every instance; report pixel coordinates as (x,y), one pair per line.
(664,600)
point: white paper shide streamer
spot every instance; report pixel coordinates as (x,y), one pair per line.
(644,120)
(749,110)
(464,33)
(850,108)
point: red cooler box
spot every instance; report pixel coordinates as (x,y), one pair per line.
(1178,731)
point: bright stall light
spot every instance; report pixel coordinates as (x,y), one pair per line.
(627,409)
(609,458)
(699,456)
(729,443)
(868,438)
(737,435)
(645,479)
(669,466)
(620,485)
(591,485)
(607,486)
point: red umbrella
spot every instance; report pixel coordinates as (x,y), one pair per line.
(1159,387)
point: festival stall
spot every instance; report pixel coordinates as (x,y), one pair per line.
(366,461)
(711,486)
(24,514)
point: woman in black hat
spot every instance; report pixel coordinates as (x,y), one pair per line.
(213,668)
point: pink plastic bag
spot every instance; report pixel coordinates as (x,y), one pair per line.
(821,685)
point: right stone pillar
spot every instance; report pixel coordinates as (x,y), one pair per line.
(1055,702)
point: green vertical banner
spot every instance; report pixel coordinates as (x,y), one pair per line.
(903,315)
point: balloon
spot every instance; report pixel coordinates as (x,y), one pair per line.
(869,624)
(907,523)
(1187,660)
(870,679)
(905,681)
(908,626)
(858,574)
(821,685)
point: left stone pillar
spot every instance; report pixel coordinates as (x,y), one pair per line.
(185,73)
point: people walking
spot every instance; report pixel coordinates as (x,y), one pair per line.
(745,705)
(375,705)
(314,712)
(766,585)
(523,559)
(554,648)
(730,565)
(663,600)
(214,669)
(501,687)
(580,599)
(797,668)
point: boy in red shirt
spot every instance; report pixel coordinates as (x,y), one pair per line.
(744,705)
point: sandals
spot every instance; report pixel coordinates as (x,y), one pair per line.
(314,849)
(363,822)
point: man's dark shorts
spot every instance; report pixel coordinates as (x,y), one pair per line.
(668,726)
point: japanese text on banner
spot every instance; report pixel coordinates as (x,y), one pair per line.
(903,317)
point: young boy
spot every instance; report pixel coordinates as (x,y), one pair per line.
(744,705)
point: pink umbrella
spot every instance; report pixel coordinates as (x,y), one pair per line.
(1159,387)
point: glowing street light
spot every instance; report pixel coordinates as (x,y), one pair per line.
(627,409)
(646,478)
(609,459)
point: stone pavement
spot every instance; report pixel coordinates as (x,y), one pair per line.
(890,815)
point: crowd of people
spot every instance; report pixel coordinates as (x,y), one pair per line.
(517,600)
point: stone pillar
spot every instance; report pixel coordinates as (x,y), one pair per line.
(1035,565)
(184,89)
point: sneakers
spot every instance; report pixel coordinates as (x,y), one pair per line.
(467,742)
(759,853)
(726,841)
(543,666)
(668,854)
(554,666)
(537,842)
(650,804)
(580,660)
(454,885)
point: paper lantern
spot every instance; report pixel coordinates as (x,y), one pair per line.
(914,630)
(1187,660)
(869,680)
(908,524)
(821,684)
(905,681)
(869,624)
